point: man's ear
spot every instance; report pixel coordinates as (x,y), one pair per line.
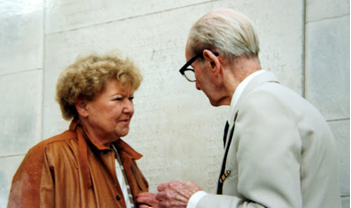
(81,107)
(213,61)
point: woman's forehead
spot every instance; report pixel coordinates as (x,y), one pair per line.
(114,86)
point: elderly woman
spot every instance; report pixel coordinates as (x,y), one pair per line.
(88,165)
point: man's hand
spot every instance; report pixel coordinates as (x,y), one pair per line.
(176,194)
(147,200)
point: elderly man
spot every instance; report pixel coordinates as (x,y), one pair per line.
(279,150)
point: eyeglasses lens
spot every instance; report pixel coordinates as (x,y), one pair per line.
(190,75)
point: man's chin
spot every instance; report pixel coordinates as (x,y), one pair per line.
(214,104)
(217,103)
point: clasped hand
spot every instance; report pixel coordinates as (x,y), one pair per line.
(174,194)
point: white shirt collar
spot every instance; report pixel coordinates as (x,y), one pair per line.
(237,93)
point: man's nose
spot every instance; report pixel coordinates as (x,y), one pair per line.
(197,86)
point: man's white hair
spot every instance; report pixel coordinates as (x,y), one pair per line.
(225,31)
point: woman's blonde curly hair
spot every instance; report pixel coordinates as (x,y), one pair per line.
(87,77)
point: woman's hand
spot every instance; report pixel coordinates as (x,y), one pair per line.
(147,200)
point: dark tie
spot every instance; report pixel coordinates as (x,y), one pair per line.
(226,128)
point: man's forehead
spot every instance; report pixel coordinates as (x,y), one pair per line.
(188,54)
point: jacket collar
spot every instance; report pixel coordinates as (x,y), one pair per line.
(256,81)
(127,150)
(238,92)
(121,145)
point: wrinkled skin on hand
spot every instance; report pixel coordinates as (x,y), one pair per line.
(176,194)
(146,200)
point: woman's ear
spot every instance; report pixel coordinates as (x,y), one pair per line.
(81,107)
(213,61)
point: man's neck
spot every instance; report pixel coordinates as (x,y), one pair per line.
(238,70)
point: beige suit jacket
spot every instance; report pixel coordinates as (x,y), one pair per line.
(282,152)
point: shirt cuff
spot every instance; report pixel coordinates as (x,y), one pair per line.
(195,198)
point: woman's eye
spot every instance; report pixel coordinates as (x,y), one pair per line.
(118,99)
(131,98)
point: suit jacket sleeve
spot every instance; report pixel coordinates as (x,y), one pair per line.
(267,147)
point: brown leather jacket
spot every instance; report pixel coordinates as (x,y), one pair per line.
(70,170)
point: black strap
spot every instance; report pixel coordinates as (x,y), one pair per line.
(220,184)
(226,128)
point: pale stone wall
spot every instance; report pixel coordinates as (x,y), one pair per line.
(306,44)
(327,74)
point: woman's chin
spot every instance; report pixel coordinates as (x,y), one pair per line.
(122,133)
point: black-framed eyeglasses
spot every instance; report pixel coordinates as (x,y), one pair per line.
(189,73)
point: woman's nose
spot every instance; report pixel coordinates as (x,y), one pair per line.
(128,107)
